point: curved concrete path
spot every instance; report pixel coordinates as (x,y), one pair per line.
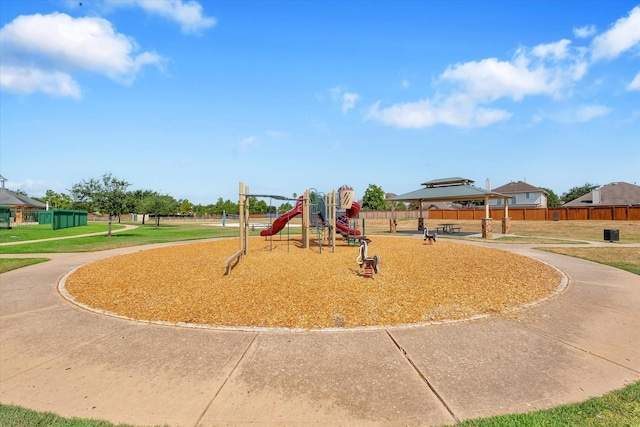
(55,356)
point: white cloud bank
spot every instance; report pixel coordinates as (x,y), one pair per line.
(466,90)
(40,53)
(188,14)
(624,34)
(635,83)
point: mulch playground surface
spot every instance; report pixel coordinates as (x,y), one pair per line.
(278,284)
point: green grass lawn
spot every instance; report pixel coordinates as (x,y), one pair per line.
(141,235)
(26,233)
(618,408)
(8,264)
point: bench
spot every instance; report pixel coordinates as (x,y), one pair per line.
(456,229)
(232,261)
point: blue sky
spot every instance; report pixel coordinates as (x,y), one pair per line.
(188,98)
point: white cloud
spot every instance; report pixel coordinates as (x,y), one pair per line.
(584,32)
(585,113)
(624,34)
(35,188)
(536,119)
(274,134)
(247,144)
(349,100)
(464,89)
(635,83)
(25,81)
(557,50)
(455,111)
(46,49)
(526,74)
(188,14)
(581,114)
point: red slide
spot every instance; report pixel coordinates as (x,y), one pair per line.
(342,222)
(283,219)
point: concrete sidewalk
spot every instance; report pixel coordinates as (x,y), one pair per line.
(57,357)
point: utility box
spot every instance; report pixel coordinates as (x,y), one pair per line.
(611,234)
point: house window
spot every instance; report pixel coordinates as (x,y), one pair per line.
(528,195)
(512,201)
(499,202)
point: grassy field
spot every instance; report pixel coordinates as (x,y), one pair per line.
(618,408)
(141,235)
(524,231)
(26,233)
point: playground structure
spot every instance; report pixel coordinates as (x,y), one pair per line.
(321,215)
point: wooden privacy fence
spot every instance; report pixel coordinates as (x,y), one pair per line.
(615,213)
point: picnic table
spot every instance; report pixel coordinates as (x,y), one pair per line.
(449,227)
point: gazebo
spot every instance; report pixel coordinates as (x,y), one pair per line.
(456,189)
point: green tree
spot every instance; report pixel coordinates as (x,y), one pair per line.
(373,199)
(257,206)
(414,206)
(83,195)
(135,197)
(107,196)
(553,201)
(186,207)
(200,210)
(230,207)
(576,192)
(56,200)
(398,206)
(158,206)
(313,196)
(285,207)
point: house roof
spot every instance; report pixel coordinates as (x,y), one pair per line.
(518,187)
(445,206)
(11,198)
(612,194)
(449,189)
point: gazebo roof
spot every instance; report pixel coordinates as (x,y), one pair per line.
(447,189)
(456,180)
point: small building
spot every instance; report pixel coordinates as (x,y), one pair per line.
(612,194)
(21,207)
(522,195)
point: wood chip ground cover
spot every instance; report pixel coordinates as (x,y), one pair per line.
(286,286)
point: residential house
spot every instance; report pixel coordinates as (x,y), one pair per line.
(612,194)
(522,195)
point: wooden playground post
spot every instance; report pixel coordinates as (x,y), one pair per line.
(241,217)
(247,213)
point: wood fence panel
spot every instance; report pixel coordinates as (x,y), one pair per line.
(605,213)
